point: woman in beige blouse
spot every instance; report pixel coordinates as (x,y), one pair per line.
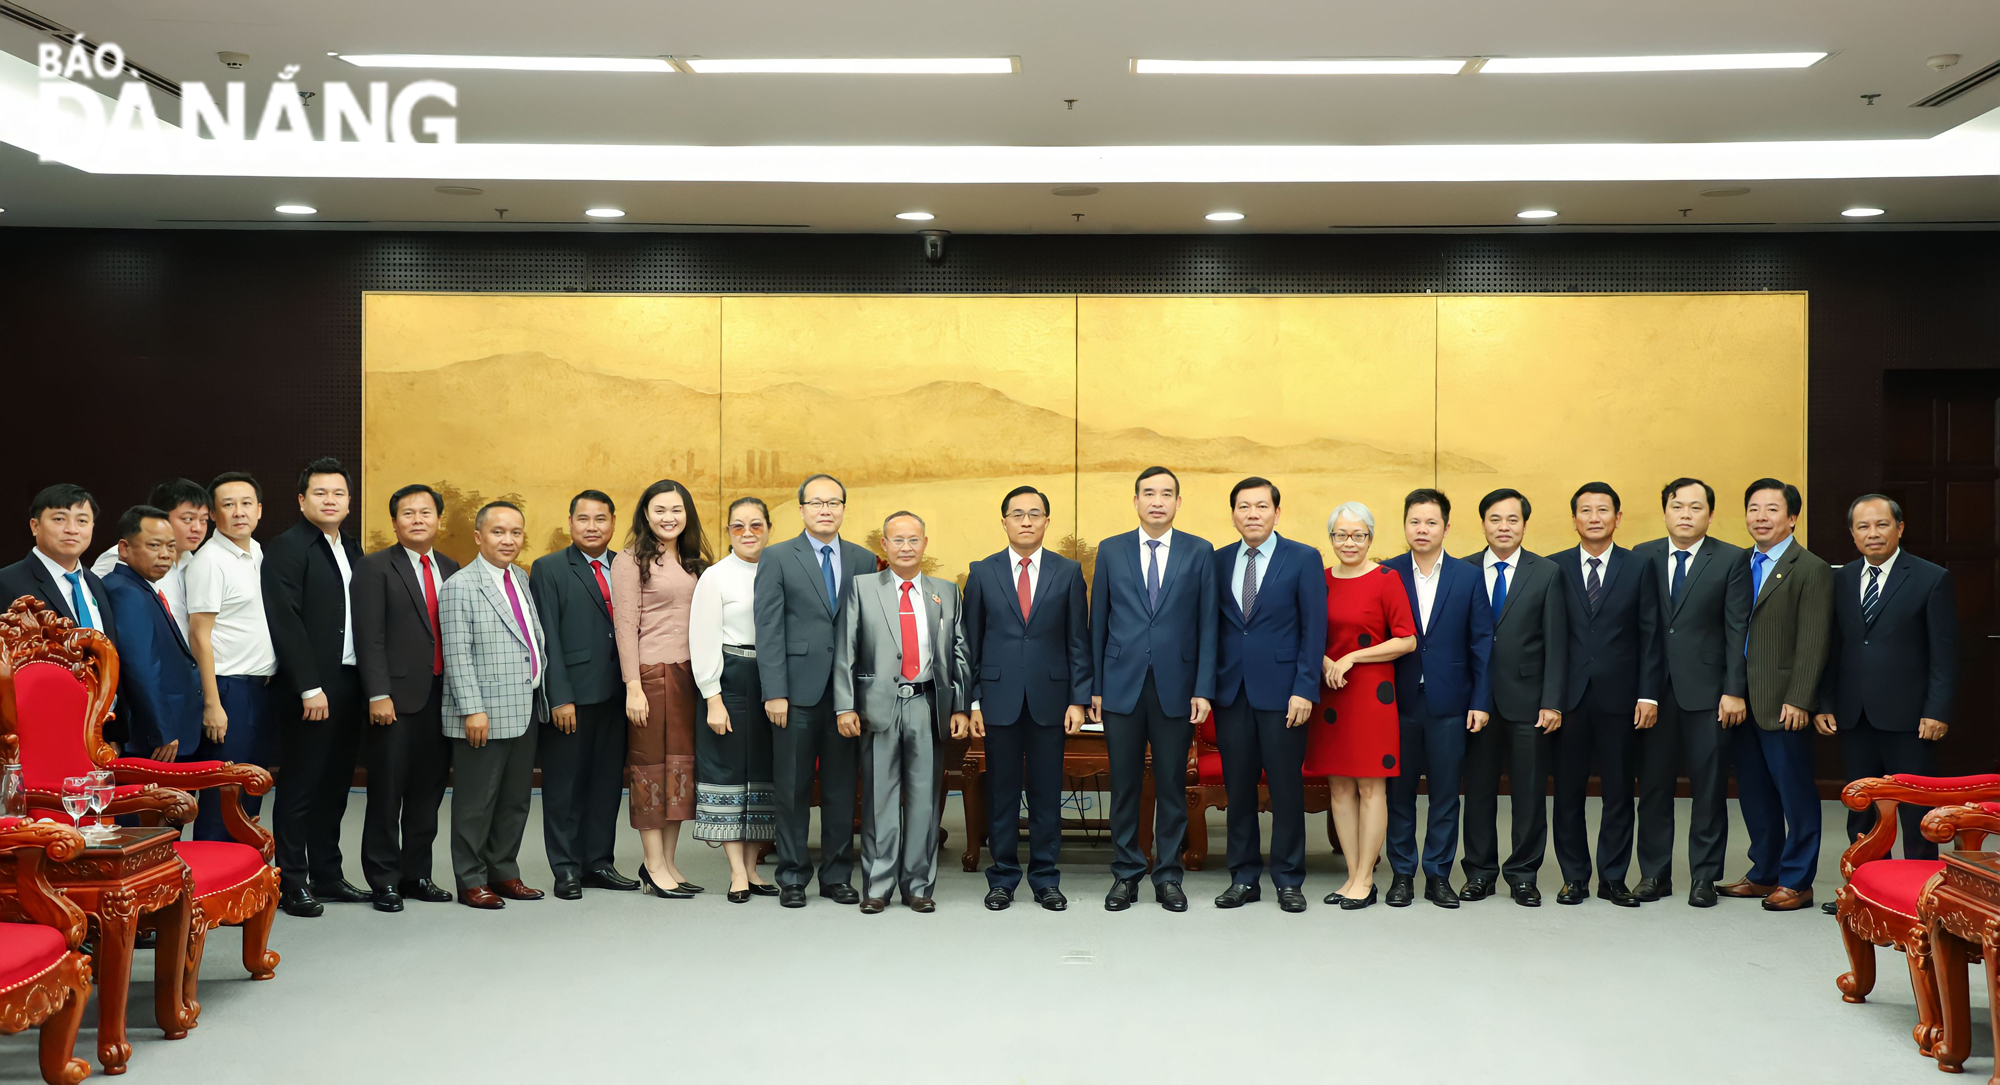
(652,589)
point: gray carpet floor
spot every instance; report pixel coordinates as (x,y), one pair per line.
(622,987)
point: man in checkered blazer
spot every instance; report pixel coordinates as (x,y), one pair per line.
(494,662)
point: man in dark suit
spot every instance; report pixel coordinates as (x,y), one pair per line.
(1791,615)
(1441,694)
(159,687)
(1704,601)
(1614,679)
(399,648)
(1528,666)
(1152,642)
(1027,637)
(583,742)
(61,518)
(307,572)
(1268,650)
(1892,666)
(801,585)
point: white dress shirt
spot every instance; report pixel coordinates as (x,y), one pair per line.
(1882,580)
(1034,572)
(723,612)
(832,559)
(1427,588)
(917,597)
(1146,551)
(1584,558)
(1491,565)
(61,576)
(347,589)
(1692,552)
(173,585)
(1264,551)
(225,580)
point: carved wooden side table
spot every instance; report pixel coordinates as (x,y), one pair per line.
(1086,767)
(1961,911)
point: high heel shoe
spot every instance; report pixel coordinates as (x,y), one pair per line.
(648,885)
(1355,904)
(763,889)
(739,896)
(690,887)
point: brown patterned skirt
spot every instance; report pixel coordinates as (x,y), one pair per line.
(661,754)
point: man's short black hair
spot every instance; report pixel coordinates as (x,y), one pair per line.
(1595,488)
(1149,473)
(1895,508)
(1668,491)
(174,493)
(325,465)
(810,479)
(63,495)
(130,524)
(227,477)
(593,495)
(1503,494)
(1252,483)
(1017,492)
(1426,496)
(1794,500)
(479,518)
(396,499)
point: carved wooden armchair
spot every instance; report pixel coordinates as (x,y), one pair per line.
(1877,905)
(56,688)
(1969,825)
(44,980)
(1206,792)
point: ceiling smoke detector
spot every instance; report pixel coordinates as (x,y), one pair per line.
(233,61)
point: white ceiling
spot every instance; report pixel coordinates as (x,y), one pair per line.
(1068,50)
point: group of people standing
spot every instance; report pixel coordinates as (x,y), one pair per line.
(731,689)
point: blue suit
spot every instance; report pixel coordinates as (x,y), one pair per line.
(1150,662)
(1264,659)
(159,687)
(1436,685)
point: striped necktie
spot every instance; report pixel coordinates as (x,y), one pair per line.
(1871,596)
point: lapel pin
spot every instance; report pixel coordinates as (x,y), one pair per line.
(935,600)
(1778,576)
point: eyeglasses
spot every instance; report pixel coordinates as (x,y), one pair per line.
(818,505)
(757,528)
(904,544)
(1027,517)
(1351,536)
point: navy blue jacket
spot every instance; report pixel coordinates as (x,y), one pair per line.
(1615,657)
(1903,666)
(159,688)
(1035,668)
(1273,655)
(1176,643)
(1454,649)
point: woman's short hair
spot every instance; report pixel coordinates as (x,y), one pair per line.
(1352,510)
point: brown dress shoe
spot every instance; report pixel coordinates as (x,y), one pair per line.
(512,889)
(1788,900)
(1744,887)
(480,897)
(874,905)
(922,904)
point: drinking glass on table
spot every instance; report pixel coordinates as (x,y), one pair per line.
(103,785)
(76,799)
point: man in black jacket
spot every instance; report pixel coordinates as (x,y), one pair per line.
(62,519)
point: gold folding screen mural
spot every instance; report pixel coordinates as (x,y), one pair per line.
(941,404)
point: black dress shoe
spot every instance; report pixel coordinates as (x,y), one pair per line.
(998,899)
(1291,898)
(342,892)
(1170,896)
(1476,889)
(792,896)
(840,893)
(1438,892)
(146,939)
(1572,893)
(1051,898)
(1355,904)
(654,888)
(1652,889)
(739,896)
(1526,895)
(605,877)
(1831,907)
(388,900)
(569,887)
(1238,894)
(1701,894)
(1402,890)
(763,889)
(1616,893)
(1122,894)
(299,901)
(425,890)
(690,887)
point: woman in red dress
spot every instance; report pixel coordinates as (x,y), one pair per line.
(1353,737)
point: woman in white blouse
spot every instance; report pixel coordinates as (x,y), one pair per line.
(734,796)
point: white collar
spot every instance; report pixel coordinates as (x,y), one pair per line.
(1513,560)
(1034,559)
(55,569)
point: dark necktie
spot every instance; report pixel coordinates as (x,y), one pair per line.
(1153,576)
(521,621)
(1024,590)
(1592,586)
(1250,582)
(603,587)
(826,574)
(1680,575)
(1871,596)
(77,601)
(909,616)
(1499,588)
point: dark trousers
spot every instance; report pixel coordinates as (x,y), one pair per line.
(408,762)
(1866,751)
(1126,739)
(1780,800)
(1606,738)
(246,700)
(1693,739)
(583,773)
(809,737)
(315,769)
(1031,752)
(1432,746)
(1528,756)
(1257,747)
(492,788)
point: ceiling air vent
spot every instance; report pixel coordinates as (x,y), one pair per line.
(1952,92)
(54,29)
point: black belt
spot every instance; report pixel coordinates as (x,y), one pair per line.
(911,689)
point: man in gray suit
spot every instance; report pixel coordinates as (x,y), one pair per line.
(801,585)
(898,672)
(495,660)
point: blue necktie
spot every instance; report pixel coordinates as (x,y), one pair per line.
(77,601)
(1153,576)
(826,574)
(1499,588)
(1757,560)
(1680,576)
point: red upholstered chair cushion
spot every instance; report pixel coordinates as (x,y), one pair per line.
(26,951)
(1208,766)
(1204,732)
(218,864)
(50,704)
(1948,783)
(1893,884)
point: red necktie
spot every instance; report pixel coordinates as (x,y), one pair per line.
(597,570)
(909,636)
(1022,589)
(431,603)
(163,603)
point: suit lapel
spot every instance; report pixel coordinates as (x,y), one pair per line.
(1040,593)
(1274,560)
(807,554)
(1170,577)
(1523,561)
(53,589)
(1615,568)
(1776,573)
(1410,589)
(1230,605)
(1899,573)
(580,565)
(889,598)
(498,601)
(1696,566)
(401,561)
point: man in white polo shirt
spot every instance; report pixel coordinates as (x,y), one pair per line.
(231,640)
(186,505)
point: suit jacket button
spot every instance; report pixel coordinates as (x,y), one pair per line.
(1670,631)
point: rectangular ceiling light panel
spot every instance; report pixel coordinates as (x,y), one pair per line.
(856,66)
(505,63)
(1297,67)
(1711,62)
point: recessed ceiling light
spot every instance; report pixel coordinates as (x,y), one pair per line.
(1862,212)
(1735,190)
(1535,213)
(1224,216)
(858,66)
(915,216)
(1297,67)
(507,63)
(296,209)
(1708,62)
(604,213)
